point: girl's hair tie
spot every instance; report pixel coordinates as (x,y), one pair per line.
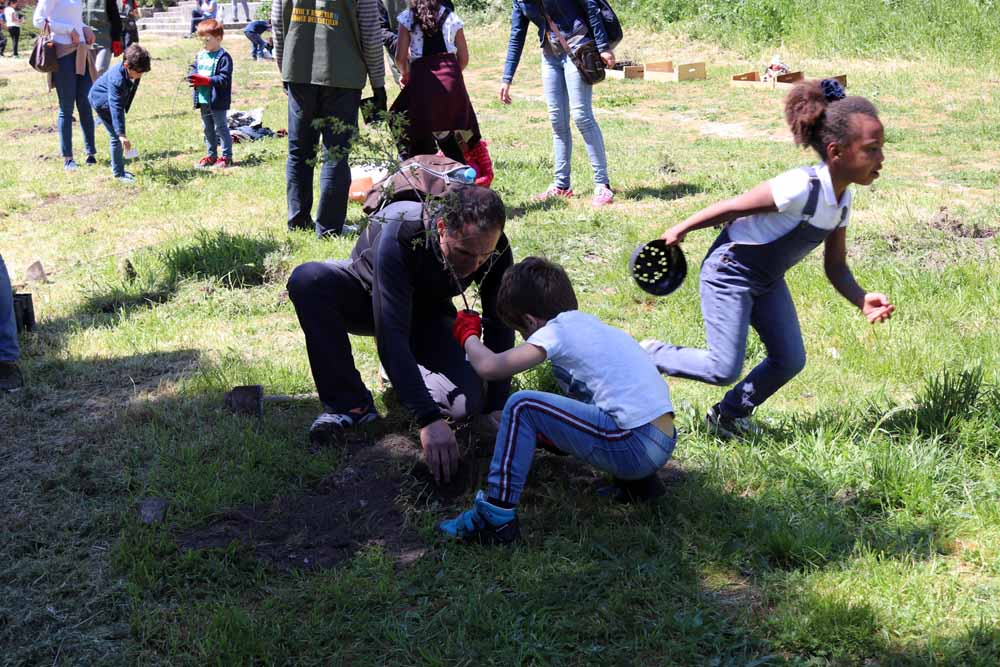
(832,90)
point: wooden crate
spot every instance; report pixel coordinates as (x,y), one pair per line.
(627,72)
(665,71)
(753,80)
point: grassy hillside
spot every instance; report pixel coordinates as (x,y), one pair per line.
(861,528)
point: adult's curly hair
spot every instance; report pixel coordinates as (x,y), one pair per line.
(817,122)
(425,12)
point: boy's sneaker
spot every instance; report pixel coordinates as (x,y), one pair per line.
(222,163)
(553,191)
(91,159)
(630,491)
(603,195)
(206,162)
(485,523)
(728,428)
(331,427)
(70,164)
(127,177)
(10,376)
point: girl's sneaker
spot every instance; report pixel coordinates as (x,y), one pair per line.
(70,164)
(91,159)
(728,428)
(485,523)
(553,191)
(222,163)
(603,195)
(127,177)
(206,162)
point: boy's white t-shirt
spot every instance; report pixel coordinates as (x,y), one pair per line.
(11,16)
(449,29)
(600,364)
(791,191)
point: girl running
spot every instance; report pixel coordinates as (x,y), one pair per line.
(767,231)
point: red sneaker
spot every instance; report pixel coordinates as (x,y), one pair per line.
(206,161)
(222,163)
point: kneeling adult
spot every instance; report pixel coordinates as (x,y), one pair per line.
(398,286)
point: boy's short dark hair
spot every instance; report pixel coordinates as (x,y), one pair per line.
(137,58)
(211,27)
(534,286)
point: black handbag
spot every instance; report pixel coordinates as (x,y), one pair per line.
(586,57)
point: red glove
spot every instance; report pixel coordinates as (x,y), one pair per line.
(467,323)
(199,80)
(479,158)
(116,48)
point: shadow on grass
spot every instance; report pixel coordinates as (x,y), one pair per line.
(533,205)
(64,485)
(667,192)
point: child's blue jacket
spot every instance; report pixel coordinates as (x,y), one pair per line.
(113,92)
(222,83)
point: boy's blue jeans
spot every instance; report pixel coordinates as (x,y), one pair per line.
(568,97)
(117,154)
(216,129)
(581,429)
(9,350)
(259,45)
(72,88)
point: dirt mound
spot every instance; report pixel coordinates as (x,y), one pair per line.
(946,221)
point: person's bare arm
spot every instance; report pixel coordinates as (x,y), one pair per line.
(875,305)
(403,54)
(462,47)
(757,200)
(492,366)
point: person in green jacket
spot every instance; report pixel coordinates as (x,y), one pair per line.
(325,57)
(106,21)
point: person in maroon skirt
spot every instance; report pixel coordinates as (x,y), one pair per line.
(431,54)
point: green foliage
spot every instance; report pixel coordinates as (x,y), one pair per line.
(263,12)
(963,30)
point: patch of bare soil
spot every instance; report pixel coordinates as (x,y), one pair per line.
(362,504)
(19,132)
(946,221)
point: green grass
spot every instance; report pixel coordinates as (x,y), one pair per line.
(862,527)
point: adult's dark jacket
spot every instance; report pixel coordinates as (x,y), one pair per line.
(400,262)
(572,17)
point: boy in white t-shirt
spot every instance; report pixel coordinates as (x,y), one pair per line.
(617,417)
(768,230)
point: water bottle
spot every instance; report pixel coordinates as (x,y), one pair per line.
(462,174)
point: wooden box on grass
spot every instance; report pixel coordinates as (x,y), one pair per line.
(665,71)
(781,82)
(626,72)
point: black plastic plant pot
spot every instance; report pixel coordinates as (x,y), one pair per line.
(657,268)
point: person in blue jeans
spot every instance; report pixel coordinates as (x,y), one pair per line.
(767,231)
(211,80)
(112,97)
(10,372)
(566,93)
(253,32)
(617,416)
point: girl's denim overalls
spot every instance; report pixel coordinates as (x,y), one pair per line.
(743,285)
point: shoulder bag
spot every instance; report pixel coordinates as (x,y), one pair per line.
(43,54)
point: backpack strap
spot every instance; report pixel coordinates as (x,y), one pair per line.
(809,210)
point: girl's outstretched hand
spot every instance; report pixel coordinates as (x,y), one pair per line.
(505,93)
(877,307)
(674,236)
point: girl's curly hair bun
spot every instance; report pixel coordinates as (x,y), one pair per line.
(819,114)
